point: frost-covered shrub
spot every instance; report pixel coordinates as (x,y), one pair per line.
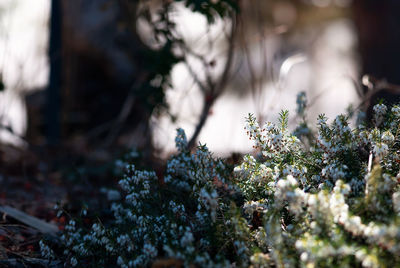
(329,198)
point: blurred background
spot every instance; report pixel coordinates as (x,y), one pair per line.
(95,75)
(88,84)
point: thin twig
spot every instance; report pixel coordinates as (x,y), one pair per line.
(374,86)
(205,63)
(215,91)
(225,75)
(202,87)
(124,113)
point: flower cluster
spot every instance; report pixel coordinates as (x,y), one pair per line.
(333,200)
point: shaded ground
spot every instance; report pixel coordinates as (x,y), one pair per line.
(34,181)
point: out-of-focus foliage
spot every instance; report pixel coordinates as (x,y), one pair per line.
(158,63)
(211,8)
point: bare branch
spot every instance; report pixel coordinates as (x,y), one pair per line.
(124,113)
(216,91)
(374,86)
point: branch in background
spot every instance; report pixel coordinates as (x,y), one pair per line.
(217,89)
(12,132)
(205,63)
(115,127)
(203,118)
(374,86)
(42,226)
(210,89)
(196,79)
(225,75)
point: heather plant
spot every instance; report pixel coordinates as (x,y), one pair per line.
(327,196)
(333,203)
(187,216)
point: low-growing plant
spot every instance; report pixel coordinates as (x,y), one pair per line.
(308,198)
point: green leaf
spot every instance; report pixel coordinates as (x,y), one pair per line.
(284,119)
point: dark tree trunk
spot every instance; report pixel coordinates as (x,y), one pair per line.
(378,25)
(53,102)
(103,56)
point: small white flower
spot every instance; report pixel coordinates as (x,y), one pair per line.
(292,180)
(73,261)
(380,149)
(113,195)
(187,239)
(380,111)
(304,256)
(387,137)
